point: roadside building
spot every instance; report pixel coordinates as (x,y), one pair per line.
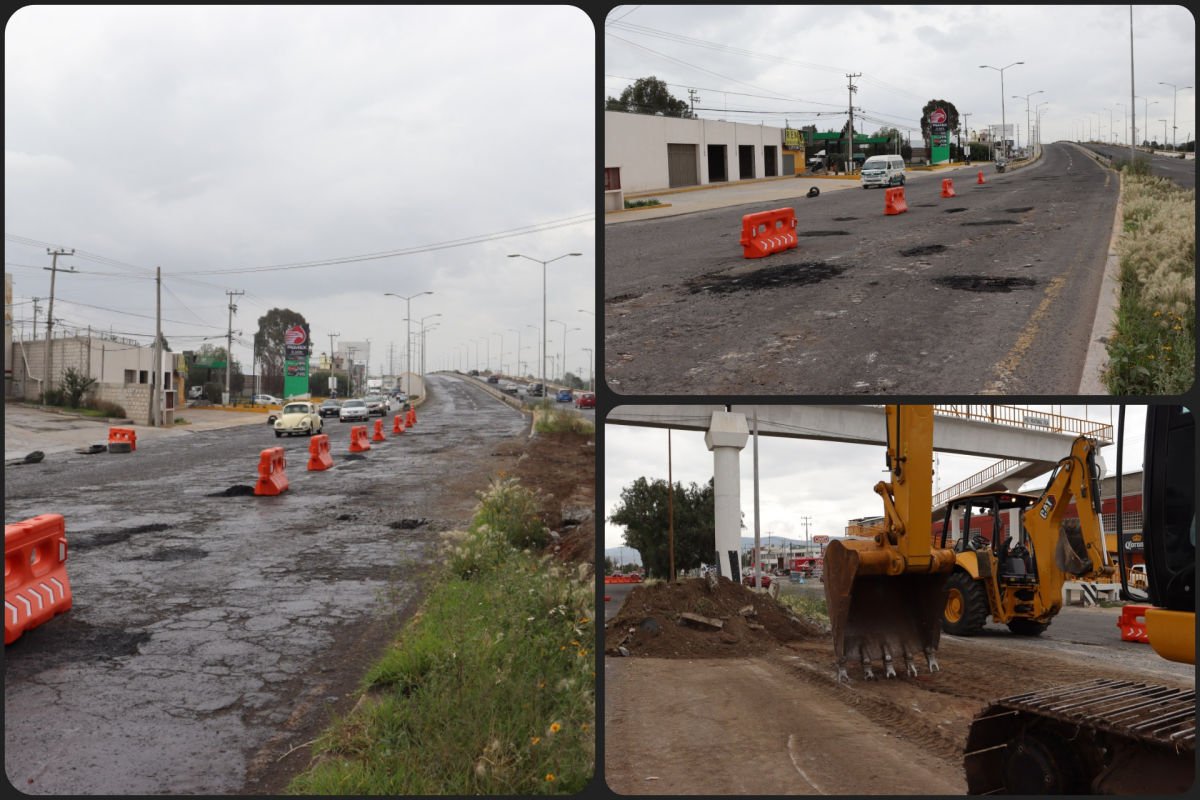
(643,152)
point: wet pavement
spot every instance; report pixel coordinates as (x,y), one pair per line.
(204,628)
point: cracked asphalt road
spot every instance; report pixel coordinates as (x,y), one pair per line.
(209,635)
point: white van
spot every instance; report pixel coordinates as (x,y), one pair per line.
(882,171)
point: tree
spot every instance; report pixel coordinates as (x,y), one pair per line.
(268,341)
(648,96)
(74,385)
(951,117)
(608,565)
(643,514)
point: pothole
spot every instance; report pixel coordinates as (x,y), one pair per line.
(924,205)
(983,283)
(407,524)
(354,457)
(237,490)
(106,538)
(923,250)
(175,554)
(822,233)
(844,219)
(1019,210)
(75,640)
(952,210)
(802,274)
(621,298)
(992,222)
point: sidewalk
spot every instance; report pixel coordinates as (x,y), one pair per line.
(28,428)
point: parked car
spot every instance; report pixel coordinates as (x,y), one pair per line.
(265,400)
(508,387)
(536,390)
(329,408)
(564,396)
(493,379)
(376,404)
(748,579)
(302,418)
(354,410)
(585,400)
(195,392)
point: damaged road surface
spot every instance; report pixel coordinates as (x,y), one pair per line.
(211,636)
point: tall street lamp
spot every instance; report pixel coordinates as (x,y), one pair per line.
(541,339)
(1146,103)
(565,332)
(517,331)
(408,337)
(1037,116)
(1164,122)
(1028,135)
(591,375)
(1174,107)
(1003,119)
(543,263)
(422,338)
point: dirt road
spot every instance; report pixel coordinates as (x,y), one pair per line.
(777,723)
(212,636)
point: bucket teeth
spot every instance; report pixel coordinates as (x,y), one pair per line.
(931,657)
(842,675)
(868,672)
(889,669)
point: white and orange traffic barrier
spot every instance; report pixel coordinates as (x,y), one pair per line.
(36,588)
(318,453)
(272,473)
(358,439)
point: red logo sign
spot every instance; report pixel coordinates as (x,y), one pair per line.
(294,335)
(937,116)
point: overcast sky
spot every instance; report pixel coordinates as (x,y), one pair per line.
(223,139)
(830,482)
(792,61)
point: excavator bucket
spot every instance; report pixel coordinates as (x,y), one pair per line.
(879,617)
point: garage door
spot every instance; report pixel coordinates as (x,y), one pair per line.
(682,168)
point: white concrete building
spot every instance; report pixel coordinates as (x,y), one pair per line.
(643,152)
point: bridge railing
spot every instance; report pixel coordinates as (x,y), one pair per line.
(1018,417)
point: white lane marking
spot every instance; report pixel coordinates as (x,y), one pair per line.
(803,774)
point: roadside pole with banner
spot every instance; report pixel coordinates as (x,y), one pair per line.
(296,349)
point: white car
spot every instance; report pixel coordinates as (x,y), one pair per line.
(302,418)
(354,411)
(265,400)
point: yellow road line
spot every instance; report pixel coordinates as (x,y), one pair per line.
(1007,366)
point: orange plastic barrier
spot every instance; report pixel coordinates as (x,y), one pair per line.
(123,435)
(893,201)
(358,439)
(948,188)
(768,232)
(410,419)
(318,453)
(1132,624)
(378,437)
(35,573)
(272,473)
(398,423)
(622,579)
(980,180)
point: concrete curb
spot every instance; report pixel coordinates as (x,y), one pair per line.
(1094,364)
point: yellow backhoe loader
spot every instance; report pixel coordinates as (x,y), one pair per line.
(1017,577)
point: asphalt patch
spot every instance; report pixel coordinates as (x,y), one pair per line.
(238,490)
(953,210)
(992,222)
(1020,210)
(823,233)
(983,283)
(175,554)
(803,274)
(408,524)
(67,639)
(923,250)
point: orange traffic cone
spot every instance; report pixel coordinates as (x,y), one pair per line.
(980,177)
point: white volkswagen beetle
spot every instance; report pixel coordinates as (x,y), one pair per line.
(298,418)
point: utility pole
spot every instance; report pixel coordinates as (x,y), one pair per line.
(332,362)
(53,268)
(966,118)
(850,132)
(350,371)
(1132,98)
(391,362)
(229,349)
(693,97)
(156,373)
(35,316)
(806,521)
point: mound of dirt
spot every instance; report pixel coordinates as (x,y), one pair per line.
(563,466)
(653,622)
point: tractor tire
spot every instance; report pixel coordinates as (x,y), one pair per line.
(966,605)
(1027,627)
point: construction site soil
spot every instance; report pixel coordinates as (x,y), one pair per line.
(758,711)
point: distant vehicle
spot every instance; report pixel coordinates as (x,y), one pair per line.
(493,379)
(564,396)
(748,579)
(536,390)
(508,387)
(882,171)
(195,392)
(353,410)
(329,408)
(374,385)
(376,404)
(585,400)
(474,373)
(265,400)
(298,418)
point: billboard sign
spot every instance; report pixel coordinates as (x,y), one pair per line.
(939,136)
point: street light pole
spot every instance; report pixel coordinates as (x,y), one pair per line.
(517,331)
(1003,118)
(408,338)
(591,375)
(1174,109)
(1028,137)
(543,263)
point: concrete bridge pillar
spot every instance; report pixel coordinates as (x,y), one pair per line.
(726,436)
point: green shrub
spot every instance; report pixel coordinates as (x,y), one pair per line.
(54,397)
(106,408)
(559,420)
(74,385)
(641,203)
(512,512)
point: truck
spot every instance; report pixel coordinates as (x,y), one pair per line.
(374,385)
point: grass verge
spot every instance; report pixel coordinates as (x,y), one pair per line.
(559,420)
(489,691)
(1152,350)
(641,203)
